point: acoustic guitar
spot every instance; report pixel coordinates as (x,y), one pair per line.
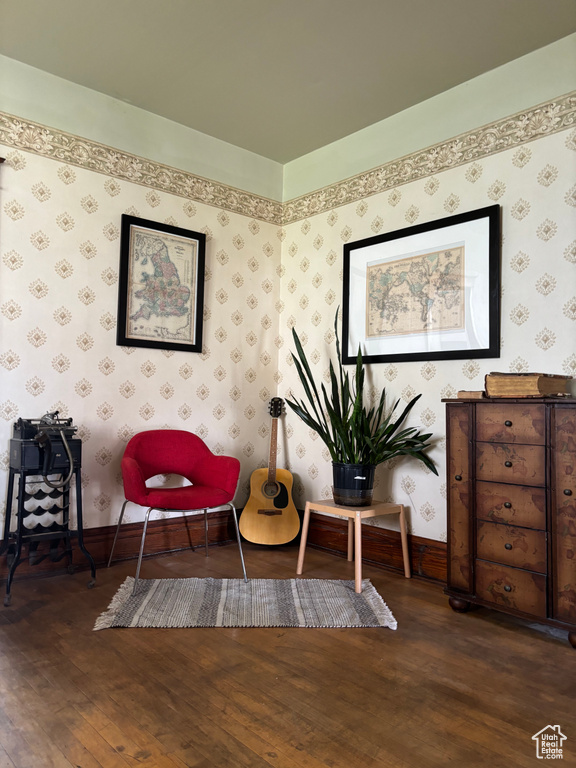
(270,516)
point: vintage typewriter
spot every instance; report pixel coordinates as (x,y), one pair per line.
(47,445)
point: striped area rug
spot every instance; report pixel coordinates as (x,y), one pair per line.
(234,603)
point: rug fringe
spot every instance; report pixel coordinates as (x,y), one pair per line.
(105,620)
(373,597)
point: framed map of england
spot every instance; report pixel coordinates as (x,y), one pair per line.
(161,286)
(426,292)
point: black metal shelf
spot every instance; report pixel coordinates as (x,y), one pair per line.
(27,464)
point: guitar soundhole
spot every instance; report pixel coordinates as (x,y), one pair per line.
(270,490)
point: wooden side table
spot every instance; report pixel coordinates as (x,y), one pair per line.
(355,516)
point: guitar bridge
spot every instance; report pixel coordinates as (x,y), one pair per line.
(269,512)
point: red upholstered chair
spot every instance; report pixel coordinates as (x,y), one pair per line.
(176,452)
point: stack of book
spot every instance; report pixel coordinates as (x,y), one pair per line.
(526,384)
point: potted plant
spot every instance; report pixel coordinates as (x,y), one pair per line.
(358,437)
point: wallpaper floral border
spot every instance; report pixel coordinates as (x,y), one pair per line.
(499,136)
(542,120)
(100,158)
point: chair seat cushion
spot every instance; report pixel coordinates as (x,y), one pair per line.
(185,498)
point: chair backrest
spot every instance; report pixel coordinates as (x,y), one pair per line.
(175,451)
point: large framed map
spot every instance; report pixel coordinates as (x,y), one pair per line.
(426,292)
(161,286)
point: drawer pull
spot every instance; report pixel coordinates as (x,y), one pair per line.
(507,588)
(508,423)
(508,505)
(459,477)
(507,463)
(567,492)
(507,546)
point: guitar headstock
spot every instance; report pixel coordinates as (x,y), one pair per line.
(276,406)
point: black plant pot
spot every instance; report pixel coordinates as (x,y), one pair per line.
(353,484)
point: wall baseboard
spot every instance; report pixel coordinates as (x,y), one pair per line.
(163,536)
(380,547)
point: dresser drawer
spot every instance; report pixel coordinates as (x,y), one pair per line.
(511,588)
(509,545)
(511,423)
(505,463)
(513,504)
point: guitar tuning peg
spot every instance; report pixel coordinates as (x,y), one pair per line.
(276,407)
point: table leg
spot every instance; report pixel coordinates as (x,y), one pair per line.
(80,527)
(350,539)
(404,539)
(303,538)
(19,536)
(358,553)
(8,512)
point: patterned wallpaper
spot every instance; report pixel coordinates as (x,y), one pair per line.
(58,301)
(535,186)
(268,267)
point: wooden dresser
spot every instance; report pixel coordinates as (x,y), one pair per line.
(512,507)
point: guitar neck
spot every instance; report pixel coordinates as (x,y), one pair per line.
(273,451)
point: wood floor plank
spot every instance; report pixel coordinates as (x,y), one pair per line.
(443,689)
(5,761)
(120,706)
(293,683)
(201,690)
(114,722)
(157,712)
(25,744)
(55,737)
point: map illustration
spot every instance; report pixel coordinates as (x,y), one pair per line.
(161,287)
(416,294)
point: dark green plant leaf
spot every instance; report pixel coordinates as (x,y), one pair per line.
(353,432)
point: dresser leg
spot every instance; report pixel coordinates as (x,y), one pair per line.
(572,639)
(459,605)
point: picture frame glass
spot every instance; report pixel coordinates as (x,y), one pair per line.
(160,302)
(426,292)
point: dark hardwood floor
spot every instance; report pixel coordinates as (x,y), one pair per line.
(443,689)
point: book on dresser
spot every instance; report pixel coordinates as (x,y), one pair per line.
(511,478)
(475,394)
(526,384)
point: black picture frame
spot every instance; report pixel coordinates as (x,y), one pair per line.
(426,292)
(161,286)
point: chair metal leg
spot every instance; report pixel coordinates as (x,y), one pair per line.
(117,529)
(206,531)
(146,518)
(235,516)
